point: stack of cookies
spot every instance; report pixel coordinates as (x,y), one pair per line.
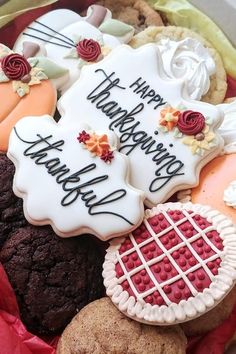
(118,194)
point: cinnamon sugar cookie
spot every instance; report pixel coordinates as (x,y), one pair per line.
(217,88)
(101,329)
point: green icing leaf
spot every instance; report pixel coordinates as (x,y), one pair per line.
(21,92)
(81,63)
(115,28)
(182,13)
(3,77)
(209,120)
(51,69)
(72,54)
(41,76)
(33,62)
(4,50)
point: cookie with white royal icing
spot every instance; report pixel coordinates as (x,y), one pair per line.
(167,137)
(174,267)
(73,41)
(73,178)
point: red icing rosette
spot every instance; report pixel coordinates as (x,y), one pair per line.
(190,122)
(88,50)
(174,267)
(15,66)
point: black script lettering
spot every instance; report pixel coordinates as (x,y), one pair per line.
(71,183)
(127,126)
(146,92)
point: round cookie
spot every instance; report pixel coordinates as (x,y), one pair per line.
(218,85)
(176,266)
(52,278)
(101,329)
(212,318)
(11,211)
(136,13)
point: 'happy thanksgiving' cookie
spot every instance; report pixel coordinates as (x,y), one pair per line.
(167,137)
(73,178)
(177,265)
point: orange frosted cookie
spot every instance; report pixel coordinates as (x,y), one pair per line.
(215,178)
(25,87)
(217,186)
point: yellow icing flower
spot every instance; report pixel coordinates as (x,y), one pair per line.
(105,50)
(97,144)
(200,142)
(20,87)
(35,77)
(169,118)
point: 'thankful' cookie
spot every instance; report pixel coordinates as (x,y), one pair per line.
(73,178)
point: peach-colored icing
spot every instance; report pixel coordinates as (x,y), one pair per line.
(214,179)
(40,100)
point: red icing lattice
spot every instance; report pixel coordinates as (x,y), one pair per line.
(172,256)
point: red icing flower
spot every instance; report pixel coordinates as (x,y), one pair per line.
(88,50)
(83,137)
(107,156)
(190,122)
(15,66)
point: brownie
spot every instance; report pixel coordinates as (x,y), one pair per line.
(11,210)
(53,278)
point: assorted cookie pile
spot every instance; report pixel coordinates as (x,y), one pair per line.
(140,118)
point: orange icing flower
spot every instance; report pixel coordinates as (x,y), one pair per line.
(169,118)
(97,144)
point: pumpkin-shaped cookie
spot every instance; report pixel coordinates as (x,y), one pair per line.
(25,88)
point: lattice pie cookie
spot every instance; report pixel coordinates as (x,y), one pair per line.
(174,267)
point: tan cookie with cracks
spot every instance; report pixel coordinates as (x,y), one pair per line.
(101,329)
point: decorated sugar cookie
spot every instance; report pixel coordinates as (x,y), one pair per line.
(167,137)
(217,186)
(25,87)
(73,41)
(73,178)
(174,267)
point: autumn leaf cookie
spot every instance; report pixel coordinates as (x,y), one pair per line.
(73,41)
(167,137)
(73,178)
(174,267)
(25,87)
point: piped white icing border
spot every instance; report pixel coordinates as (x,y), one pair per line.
(195,305)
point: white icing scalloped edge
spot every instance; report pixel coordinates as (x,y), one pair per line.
(186,309)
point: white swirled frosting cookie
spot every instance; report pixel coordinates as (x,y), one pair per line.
(174,267)
(167,136)
(73,41)
(73,178)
